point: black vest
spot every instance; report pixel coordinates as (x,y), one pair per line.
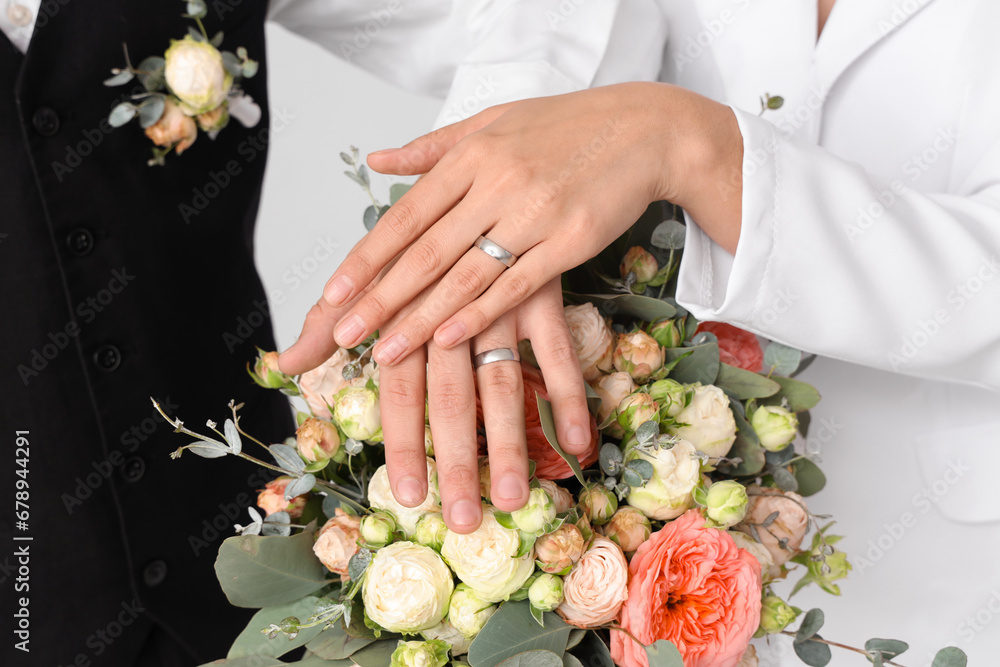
(120,282)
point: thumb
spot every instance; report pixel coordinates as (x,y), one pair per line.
(420,155)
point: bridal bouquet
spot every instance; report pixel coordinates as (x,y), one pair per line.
(658,547)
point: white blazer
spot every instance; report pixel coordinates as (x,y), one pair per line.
(871,235)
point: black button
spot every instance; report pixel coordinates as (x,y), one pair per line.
(80,242)
(133,469)
(46,121)
(107,358)
(154,573)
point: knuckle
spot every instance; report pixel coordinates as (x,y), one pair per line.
(425,257)
(501,382)
(401,392)
(562,352)
(467,281)
(402,218)
(364,264)
(452,399)
(516,287)
(406,458)
(374,306)
(460,475)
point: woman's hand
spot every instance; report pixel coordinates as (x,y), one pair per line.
(553,181)
(448,380)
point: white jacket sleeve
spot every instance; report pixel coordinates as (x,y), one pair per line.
(474,53)
(919,296)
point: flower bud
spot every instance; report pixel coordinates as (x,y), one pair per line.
(775,427)
(271,499)
(337,542)
(612,389)
(317,440)
(173,129)
(708,422)
(194,72)
(726,503)
(598,504)
(537,513)
(430,530)
(266,372)
(776,614)
(468,612)
(668,333)
(638,354)
(214,120)
(430,653)
(356,410)
(628,528)
(377,528)
(556,552)
(670,394)
(635,410)
(668,493)
(561,497)
(827,567)
(428,441)
(546,592)
(640,262)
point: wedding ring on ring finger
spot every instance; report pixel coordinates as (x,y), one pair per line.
(499,253)
(493,356)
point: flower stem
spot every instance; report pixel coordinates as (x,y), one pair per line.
(844,646)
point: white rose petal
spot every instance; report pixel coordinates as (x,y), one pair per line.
(668,494)
(485,559)
(380,497)
(407,588)
(711,427)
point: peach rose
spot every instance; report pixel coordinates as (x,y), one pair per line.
(598,585)
(790,524)
(736,347)
(271,498)
(317,440)
(556,552)
(562,498)
(174,128)
(628,528)
(693,586)
(612,389)
(593,339)
(638,354)
(321,384)
(337,542)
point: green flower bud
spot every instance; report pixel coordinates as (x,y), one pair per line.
(266,372)
(377,528)
(775,427)
(635,410)
(430,530)
(641,262)
(537,513)
(827,567)
(356,410)
(776,614)
(598,504)
(670,394)
(468,612)
(430,653)
(668,333)
(546,592)
(727,503)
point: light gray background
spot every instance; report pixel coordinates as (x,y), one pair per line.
(308,204)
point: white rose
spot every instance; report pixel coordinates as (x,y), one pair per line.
(380,497)
(468,612)
(407,588)
(593,339)
(321,384)
(775,426)
(594,591)
(668,494)
(195,74)
(710,425)
(446,632)
(612,389)
(485,559)
(356,411)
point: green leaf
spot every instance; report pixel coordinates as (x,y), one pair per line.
(119,79)
(950,657)
(811,624)
(643,308)
(149,115)
(246,661)
(775,102)
(781,359)
(288,458)
(377,654)
(611,458)
(810,478)
(505,519)
(150,73)
(122,114)
(371,214)
(533,659)
(253,642)
(889,648)
(512,630)
(575,637)
(699,363)
(549,429)
(232,63)
(643,468)
(335,644)
(195,34)
(594,651)
(814,654)
(593,400)
(785,480)
(397,190)
(350,174)
(259,571)
(742,384)
(570,660)
(631,477)
(316,661)
(538,615)
(249,69)
(669,235)
(801,396)
(664,654)
(746,447)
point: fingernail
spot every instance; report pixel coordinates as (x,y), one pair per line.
(510,488)
(337,291)
(388,351)
(577,436)
(411,491)
(349,331)
(383,151)
(464,513)
(451,334)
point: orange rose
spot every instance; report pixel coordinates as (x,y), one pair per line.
(271,498)
(693,586)
(549,465)
(736,347)
(174,129)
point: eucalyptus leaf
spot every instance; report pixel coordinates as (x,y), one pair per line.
(377,654)
(208,450)
(647,432)
(259,571)
(570,660)
(151,111)
(512,630)
(397,190)
(593,400)
(122,114)
(288,458)
(785,480)
(950,656)
(195,34)
(249,69)
(814,654)
(669,235)
(575,637)
(150,73)
(699,363)
(631,477)
(119,79)
(253,642)
(533,659)
(246,661)
(232,63)
(800,396)
(359,563)
(889,648)
(282,530)
(335,644)
(743,384)
(232,436)
(810,478)
(197,9)
(353,176)
(217,38)
(781,359)
(594,651)
(643,308)
(812,622)
(371,216)
(780,457)
(300,486)
(664,654)
(747,448)
(642,467)
(348,160)
(611,459)
(549,429)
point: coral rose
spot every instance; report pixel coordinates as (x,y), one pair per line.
(693,586)
(736,347)
(337,542)
(598,585)
(549,465)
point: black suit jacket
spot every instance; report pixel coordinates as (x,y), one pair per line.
(121,282)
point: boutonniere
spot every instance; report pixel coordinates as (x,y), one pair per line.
(192,86)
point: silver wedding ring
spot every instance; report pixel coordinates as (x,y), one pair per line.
(505,257)
(490,356)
